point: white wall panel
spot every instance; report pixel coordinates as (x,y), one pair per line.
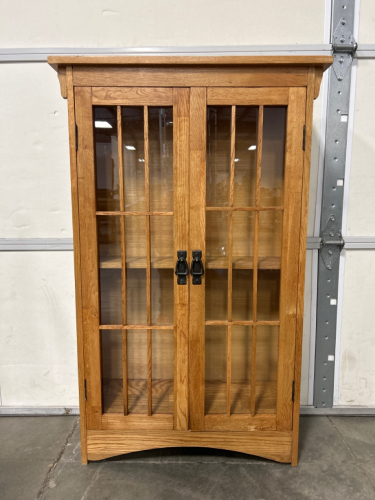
(361,220)
(357,374)
(38,361)
(306,332)
(121,23)
(35,187)
(315,149)
(367,22)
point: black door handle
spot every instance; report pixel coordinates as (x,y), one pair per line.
(182,268)
(196,268)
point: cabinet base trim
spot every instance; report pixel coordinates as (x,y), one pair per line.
(266,444)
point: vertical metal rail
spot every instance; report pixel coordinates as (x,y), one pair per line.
(344,46)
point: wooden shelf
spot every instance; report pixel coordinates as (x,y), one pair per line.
(216,397)
(243,262)
(110,262)
(162,397)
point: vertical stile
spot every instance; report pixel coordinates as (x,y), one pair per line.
(123,259)
(230,253)
(255,265)
(148,263)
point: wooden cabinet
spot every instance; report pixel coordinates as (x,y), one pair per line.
(199,164)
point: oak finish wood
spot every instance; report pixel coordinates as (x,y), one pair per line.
(269,428)
(197,242)
(323,61)
(77,263)
(267,444)
(89,255)
(192,76)
(217,96)
(181,118)
(290,256)
(132,96)
(311,92)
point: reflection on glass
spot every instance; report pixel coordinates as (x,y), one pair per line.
(162,371)
(112,372)
(215,369)
(266,368)
(160,125)
(110,279)
(216,273)
(162,270)
(106,158)
(218,155)
(243,262)
(245,156)
(273,152)
(134,157)
(137,371)
(136,289)
(241,369)
(269,264)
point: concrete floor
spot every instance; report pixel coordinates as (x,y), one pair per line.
(40,459)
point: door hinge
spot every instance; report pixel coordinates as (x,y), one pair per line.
(85,390)
(331,243)
(293,389)
(76,135)
(304,138)
(344,47)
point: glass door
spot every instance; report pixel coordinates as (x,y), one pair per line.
(132,163)
(250,203)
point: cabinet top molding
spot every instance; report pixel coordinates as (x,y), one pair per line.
(189,71)
(322,61)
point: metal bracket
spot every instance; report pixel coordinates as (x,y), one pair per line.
(331,247)
(344,47)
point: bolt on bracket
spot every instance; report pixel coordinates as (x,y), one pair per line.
(331,243)
(344,47)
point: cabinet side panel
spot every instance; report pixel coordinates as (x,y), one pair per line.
(77,262)
(197,225)
(290,256)
(89,257)
(181,121)
(302,262)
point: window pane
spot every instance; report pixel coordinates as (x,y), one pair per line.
(162,371)
(245,156)
(266,368)
(162,270)
(106,158)
(273,152)
(134,158)
(137,371)
(216,369)
(112,372)
(218,155)
(110,277)
(160,125)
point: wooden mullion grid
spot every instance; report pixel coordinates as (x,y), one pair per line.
(241,209)
(255,265)
(238,323)
(230,256)
(137,327)
(123,260)
(148,262)
(134,213)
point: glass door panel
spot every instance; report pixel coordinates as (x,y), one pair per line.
(244,228)
(135,218)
